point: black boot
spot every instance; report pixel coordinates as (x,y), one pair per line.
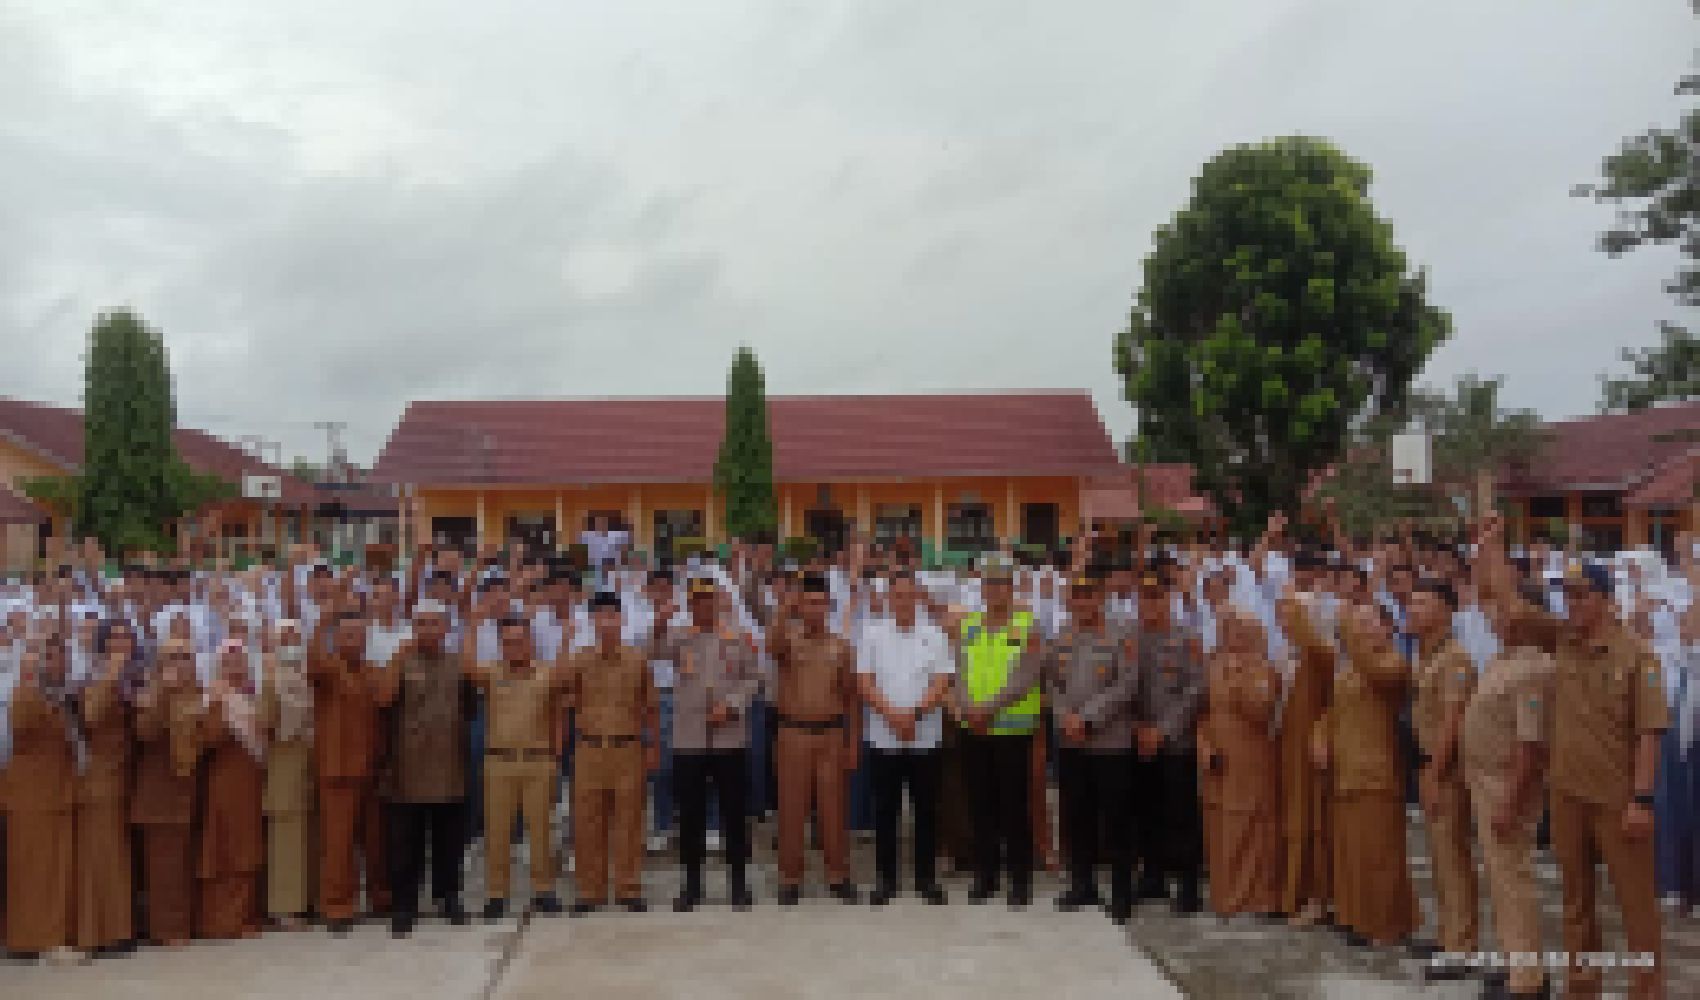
(933,893)
(1151,886)
(1080,896)
(401,924)
(547,904)
(495,909)
(1020,894)
(1189,899)
(883,893)
(982,890)
(846,892)
(690,897)
(453,911)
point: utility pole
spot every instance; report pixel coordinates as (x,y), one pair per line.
(334,459)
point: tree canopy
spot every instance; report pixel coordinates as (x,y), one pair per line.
(1653,179)
(743,472)
(1276,311)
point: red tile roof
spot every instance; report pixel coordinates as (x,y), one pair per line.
(1672,486)
(56,434)
(815,438)
(15,508)
(1616,451)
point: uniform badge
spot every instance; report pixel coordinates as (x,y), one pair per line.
(1535,702)
(1103,671)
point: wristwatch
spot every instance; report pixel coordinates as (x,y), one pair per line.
(1643,799)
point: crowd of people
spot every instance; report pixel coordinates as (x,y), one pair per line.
(210,753)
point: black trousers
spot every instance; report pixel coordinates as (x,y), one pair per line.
(890,771)
(411,826)
(729,770)
(1097,809)
(1145,795)
(1176,832)
(997,772)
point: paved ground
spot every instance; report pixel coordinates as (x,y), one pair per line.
(822,949)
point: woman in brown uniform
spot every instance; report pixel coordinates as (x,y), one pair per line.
(168,747)
(1243,689)
(232,839)
(1358,743)
(288,796)
(39,780)
(105,900)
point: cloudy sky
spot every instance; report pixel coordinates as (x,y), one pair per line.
(332,208)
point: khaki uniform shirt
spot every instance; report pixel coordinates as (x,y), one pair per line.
(427,761)
(345,718)
(613,693)
(168,735)
(1172,686)
(1094,675)
(815,678)
(106,727)
(1609,692)
(1361,724)
(710,669)
(1242,708)
(1443,680)
(520,706)
(1512,704)
(41,775)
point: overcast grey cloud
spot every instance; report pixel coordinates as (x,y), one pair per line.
(334,208)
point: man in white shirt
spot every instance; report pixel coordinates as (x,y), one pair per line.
(904,666)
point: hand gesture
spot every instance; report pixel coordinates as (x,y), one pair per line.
(1150,740)
(1074,728)
(1637,821)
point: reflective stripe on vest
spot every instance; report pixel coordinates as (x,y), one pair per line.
(991,656)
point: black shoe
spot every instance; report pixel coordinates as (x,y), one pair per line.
(1077,898)
(1355,940)
(454,912)
(635,905)
(1020,896)
(579,909)
(495,909)
(933,893)
(1120,910)
(1151,888)
(1423,949)
(883,893)
(340,927)
(742,898)
(846,892)
(547,904)
(687,900)
(1188,900)
(982,891)
(401,924)
(788,895)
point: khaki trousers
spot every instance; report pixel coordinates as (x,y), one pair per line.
(524,788)
(105,899)
(811,772)
(168,866)
(1457,899)
(1512,890)
(342,803)
(608,787)
(39,886)
(289,864)
(1581,833)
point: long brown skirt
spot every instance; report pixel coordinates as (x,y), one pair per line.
(228,905)
(105,893)
(168,859)
(39,880)
(1372,885)
(1247,875)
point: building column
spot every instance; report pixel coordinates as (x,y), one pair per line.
(560,521)
(634,514)
(864,515)
(785,526)
(1634,527)
(482,535)
(1012,523)
(1572,521)
(938,518)
(710,523)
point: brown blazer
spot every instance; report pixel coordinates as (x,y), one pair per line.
(42,773)
(168,746)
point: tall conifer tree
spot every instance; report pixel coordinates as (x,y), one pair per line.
(743,473)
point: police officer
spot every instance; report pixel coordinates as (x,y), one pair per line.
(1000,713)
(1091,683)
(1171,665)
(1609,714)
(714,682)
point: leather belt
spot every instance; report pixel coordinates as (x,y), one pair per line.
(606,741)
(520,754)
(812,725)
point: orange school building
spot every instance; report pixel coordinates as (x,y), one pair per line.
(955,473)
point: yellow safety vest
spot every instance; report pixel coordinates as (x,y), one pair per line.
(989,657)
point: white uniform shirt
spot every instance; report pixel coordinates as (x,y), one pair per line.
(903,663)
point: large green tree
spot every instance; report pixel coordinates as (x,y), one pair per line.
(1653,179)
(743,472)
(1276,311)
(132,485)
